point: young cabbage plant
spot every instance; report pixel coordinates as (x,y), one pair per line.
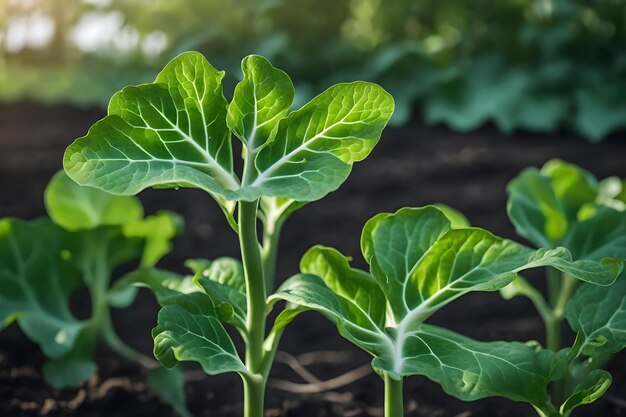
(43,262)
(562,204)
(418,264)
(176,132)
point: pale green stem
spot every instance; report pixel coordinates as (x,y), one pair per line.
(554,328)
(553,278)
(394,402)
(254,387)
(269,253)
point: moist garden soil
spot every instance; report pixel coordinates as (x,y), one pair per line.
(412,166)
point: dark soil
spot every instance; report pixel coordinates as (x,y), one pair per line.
(413,166)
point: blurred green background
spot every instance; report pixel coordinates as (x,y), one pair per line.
(536,65)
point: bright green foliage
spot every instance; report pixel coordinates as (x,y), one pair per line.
(260,101)
(562,204)
(190,330)
(471,370)
(418,264)
(174,133)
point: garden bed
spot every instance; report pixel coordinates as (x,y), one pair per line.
(412,166)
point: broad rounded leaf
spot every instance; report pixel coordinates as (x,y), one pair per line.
(422,264)
(189,330)
(169,133)
(562,204)
(36,282)
(315,146)
(598,315)
(174,133)
(76,207)
(261,99)
(471,370)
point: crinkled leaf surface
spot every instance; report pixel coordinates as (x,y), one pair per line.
(598,315)
(36,282)
(169,133)
(261,99)
(589,390)
(174,133)
(189,329)
(315,146)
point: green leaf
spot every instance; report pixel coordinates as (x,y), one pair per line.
(169,385)
(589,390)
(471,370)
(157,231)
(68,372)
(457,219)
(75,207)
(223,281)
(77,365)
(165,285)
(189,330)
(562,204)
(353,322)
(598,315)
(167,134)
(544,203)
(36,282)
(315,146)
(174,133)
(261,99)
(352,284)
(602,235)
(420,264)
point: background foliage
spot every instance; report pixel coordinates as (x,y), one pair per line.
(539,65)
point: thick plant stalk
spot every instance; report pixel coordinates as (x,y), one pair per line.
(394,403)
(254,386)
(554,328)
